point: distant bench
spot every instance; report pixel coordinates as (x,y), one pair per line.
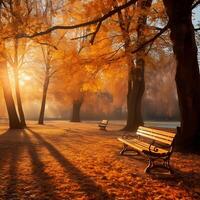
(157,145)
(103,124)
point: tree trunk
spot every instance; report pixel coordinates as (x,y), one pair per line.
(76,110)
(14,122)
(17,87)
(44,96)
(136,87)
(18,96)
(136,82)
(187,72)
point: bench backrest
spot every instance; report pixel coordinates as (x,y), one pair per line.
(104,121)
(156,135)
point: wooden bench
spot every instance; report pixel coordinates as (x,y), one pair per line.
(103,124)
(157,145)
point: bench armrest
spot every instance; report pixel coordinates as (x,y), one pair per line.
(155,149)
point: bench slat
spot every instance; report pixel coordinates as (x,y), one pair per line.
(154,134)
(155,138)
(104,122)
(165,133)
(133,144)
(140,145)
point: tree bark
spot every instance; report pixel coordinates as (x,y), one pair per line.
(76,110)
(187,72)
(44,97)
(14,122)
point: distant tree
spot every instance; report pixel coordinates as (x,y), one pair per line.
(50,68)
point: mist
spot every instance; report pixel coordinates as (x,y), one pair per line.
(159,102)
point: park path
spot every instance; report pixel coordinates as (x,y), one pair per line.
(63,160)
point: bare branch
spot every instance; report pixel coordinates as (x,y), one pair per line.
(95,32)
(152,39)
(197,29)
(82,36)
(196,4)
(53,72)
(47,44)
(156,28)
(116,51)
(107,38)
(150,47)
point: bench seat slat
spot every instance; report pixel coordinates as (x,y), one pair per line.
(140,145)
(155,135)
(164,133)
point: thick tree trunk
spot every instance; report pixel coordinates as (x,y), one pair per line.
(18,96)
(187,72)
(44,96)
(76,110)
(14,122)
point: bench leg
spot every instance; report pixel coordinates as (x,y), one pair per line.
(102,128)
(125,146)
(164,165)
(167,165)
(149,166)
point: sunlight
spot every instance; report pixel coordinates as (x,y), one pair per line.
(24,78)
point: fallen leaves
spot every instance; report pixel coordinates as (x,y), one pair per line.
(42,164)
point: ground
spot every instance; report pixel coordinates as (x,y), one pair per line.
(63,160)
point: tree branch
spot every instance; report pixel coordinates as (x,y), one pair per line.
(152,39)
(82,36)
(197,29)
(95,21)
(95,33)
(195,4)
(47,44)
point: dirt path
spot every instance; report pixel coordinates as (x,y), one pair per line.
(77,161)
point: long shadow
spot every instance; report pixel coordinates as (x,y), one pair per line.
(4,147)
(11,191)
(86,184)
(11,146)
(41,177)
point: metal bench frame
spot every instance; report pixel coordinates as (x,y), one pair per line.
(155,159)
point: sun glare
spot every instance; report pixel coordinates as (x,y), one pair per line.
(23,78)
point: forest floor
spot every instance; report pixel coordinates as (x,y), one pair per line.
(63,160)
